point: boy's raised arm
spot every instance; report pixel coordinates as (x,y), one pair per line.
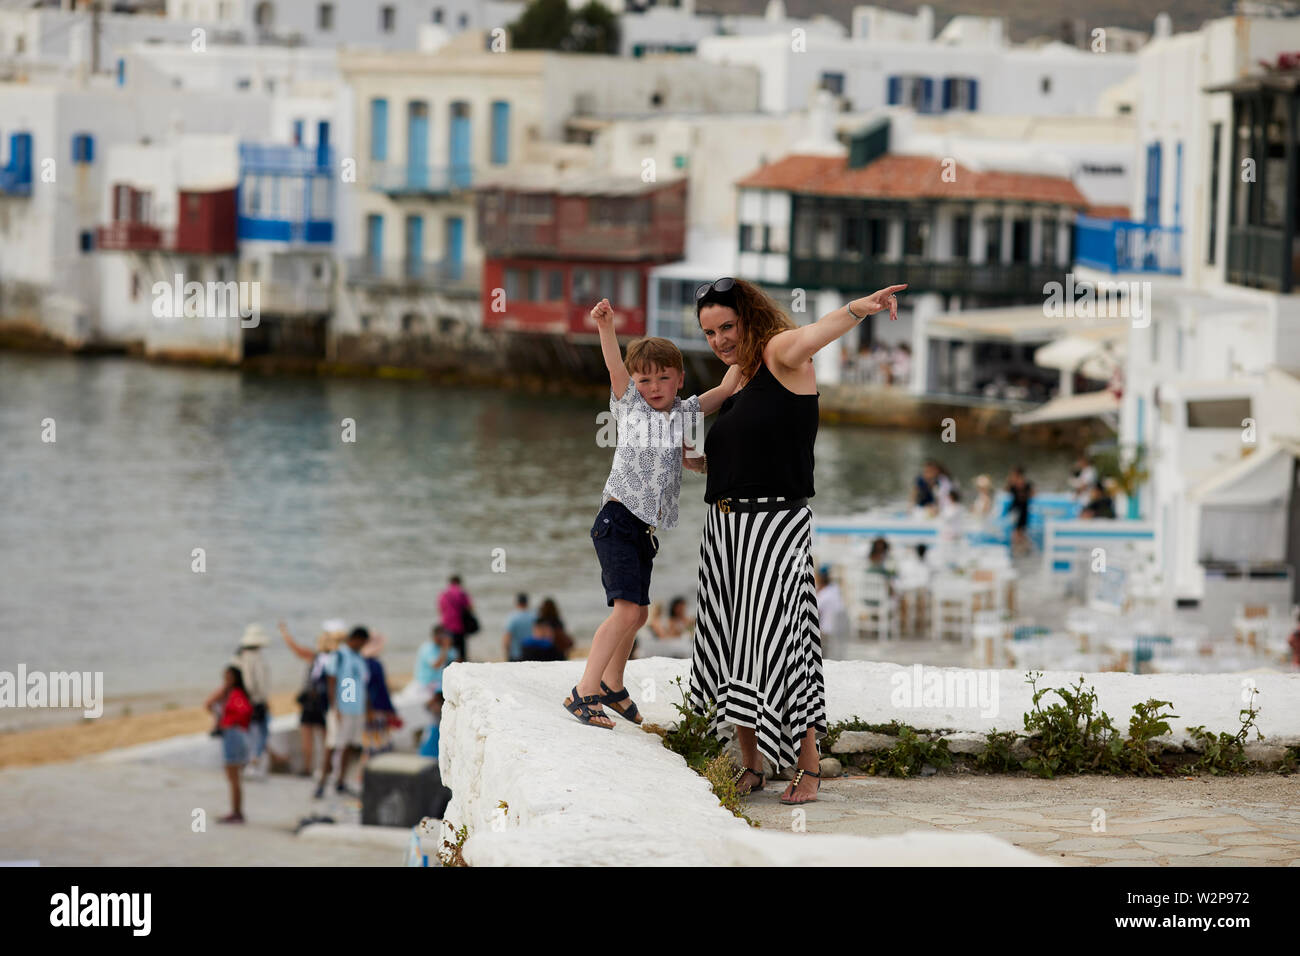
(712,400)
(603,316)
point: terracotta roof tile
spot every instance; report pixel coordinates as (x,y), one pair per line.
(1107,212)
(897,176)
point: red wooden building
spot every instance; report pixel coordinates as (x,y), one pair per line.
(551,253)
(205,223)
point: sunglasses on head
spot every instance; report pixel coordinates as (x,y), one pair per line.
(725,284)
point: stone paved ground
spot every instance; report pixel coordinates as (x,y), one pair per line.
(1206,821)
(92,813)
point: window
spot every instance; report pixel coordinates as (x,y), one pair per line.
(500,133)
(325,17)
(833,83)
(767,238)
(877,237)
(1049,242)
(1020,232)
(746,237)
(135,286)
(264,15)
(437,14)
(463,21)
(379,130)
(803,233)
(851,242)
(366,322)
(993,240)
(961,238)
(87,241)
(1045,85)
(916,236)
(960,93)
(911,90)
(554,285)
(387,19)
(83,148)
(517,282)
(1216,135)
(828,229)
(605,289)
(1218,413)
(536,207)
(584,285)
(629,289)
(535,292)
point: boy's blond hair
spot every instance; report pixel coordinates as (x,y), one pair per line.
(645,355)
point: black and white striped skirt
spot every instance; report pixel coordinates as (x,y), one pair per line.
(757,650)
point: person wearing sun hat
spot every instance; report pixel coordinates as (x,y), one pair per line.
(313,699)
(257,680)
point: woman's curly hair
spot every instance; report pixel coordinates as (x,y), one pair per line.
(760,319)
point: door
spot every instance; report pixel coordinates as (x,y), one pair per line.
(417,145)
(414,245)
(454,246)
(374,242)
(459,144)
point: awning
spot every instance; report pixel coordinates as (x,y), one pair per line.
(1025,323)
(1262,476)
(1096,356)
(1068,407)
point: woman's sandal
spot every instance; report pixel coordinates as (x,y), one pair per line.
(612,698)
(580,707)
(794,785)
(740,775)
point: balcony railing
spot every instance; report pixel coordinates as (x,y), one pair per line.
(1257,258)
(400,179)
(1117,245)
(284,158)
(411,275)
(129,236)
(1017,278)
(635,243)
(270,229)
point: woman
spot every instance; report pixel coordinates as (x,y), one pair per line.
(1021,491)
(236,715)
(757,650)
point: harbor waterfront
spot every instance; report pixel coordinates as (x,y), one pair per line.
(150,462)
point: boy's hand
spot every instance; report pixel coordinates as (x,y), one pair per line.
(694,462)
(603,314)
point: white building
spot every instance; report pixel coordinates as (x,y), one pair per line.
(1210,393)
(893,59)
(387,24)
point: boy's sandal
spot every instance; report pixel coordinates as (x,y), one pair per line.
(611,698)
(794,785)
(739,775)
(580,707)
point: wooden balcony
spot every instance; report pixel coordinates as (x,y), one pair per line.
(1002,279)
(127,236)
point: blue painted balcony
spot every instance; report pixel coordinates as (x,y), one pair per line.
(422,181)
(286,194)
(1117,245)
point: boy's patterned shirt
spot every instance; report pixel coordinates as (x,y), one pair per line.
(647,472)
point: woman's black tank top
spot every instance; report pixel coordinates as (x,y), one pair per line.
(761,444)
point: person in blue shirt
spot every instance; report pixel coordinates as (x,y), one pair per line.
(349,703)
(519,628)
(434,658)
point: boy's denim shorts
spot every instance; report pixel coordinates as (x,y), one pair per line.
(626,547)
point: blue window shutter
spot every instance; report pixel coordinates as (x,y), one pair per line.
(948,84)
(972,97)
(1153,185)
(121,71)
(322,144)
(895,90)
(500,132)
(297,132)
(1178,184)
(927,95)
(90,148)
(379,130)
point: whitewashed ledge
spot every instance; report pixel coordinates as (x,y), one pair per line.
(583,795)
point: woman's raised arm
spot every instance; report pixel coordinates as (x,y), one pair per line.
(794,347)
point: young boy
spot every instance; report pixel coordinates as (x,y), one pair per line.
(639,498)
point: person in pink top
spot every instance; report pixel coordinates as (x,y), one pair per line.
(452,605)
